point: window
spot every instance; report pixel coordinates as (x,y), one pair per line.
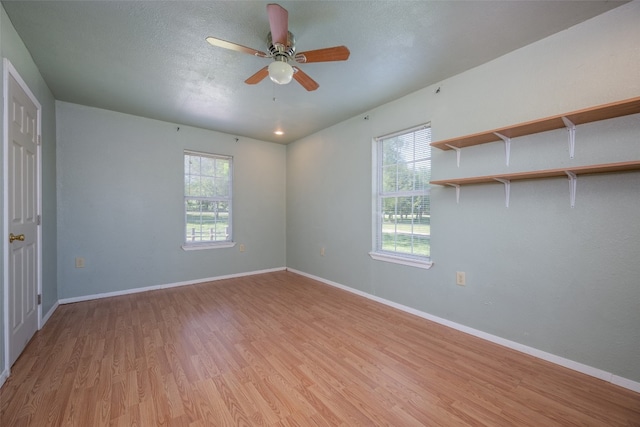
(402,209)
(207,200)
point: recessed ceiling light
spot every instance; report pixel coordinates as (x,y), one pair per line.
(279,132)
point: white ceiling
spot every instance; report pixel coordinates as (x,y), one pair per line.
(150,58)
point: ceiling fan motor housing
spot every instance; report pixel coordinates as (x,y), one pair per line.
(280,52)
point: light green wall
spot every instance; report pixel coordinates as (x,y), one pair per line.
(12,48)
(120,198)
(559,279)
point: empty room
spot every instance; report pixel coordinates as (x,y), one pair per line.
(320,213)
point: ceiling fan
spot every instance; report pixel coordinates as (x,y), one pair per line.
(282,49)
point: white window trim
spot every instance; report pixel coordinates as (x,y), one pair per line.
(201,246)
(403,260)
(402,132)
(407,260)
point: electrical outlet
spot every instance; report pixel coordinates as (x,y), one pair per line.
(242,248)
(322,251)
(79,262)
(461,278)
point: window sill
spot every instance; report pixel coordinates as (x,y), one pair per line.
(412,262)
(199,247)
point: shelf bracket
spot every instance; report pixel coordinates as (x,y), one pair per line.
(571,128)
(507,189)
(507,146)
(458,151)
(573,181)
(457,186)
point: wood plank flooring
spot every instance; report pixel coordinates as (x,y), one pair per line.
(279,349)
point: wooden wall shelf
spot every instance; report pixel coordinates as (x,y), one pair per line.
(547,173)
(568,121)
(570,172)
(587,115)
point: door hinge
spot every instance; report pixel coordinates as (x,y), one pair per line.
(38,220)
(39,139)
(39,299)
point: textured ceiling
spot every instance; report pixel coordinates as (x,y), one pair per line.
(150,58)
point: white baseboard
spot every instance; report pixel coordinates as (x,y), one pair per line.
(567,363)
(46,317)
(165,286)
(626,383)
(3,377)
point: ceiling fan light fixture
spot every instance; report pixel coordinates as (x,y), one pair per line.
(280,72)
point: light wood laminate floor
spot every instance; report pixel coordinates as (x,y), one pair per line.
(279,349)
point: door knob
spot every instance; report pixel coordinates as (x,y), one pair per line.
(12,237)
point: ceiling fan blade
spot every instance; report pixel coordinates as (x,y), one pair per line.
(337,53)
(279,23)
(234,46)
(258,77)
(303,78)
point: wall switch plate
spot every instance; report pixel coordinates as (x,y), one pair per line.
(322,251)
(461,278)
(242,248)
(79,262)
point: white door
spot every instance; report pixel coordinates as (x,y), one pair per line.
(22,140)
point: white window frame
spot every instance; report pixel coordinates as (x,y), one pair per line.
(377,252)
(198,245)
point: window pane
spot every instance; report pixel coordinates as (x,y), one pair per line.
(405,177)
(404,244)
(389,208)
(389,242)
(421,246)
(405,210)
(222,187)
(422,214)
(392,151)
(222,167)
(207,166)
(423,144)
(389,178)
(192,185)
(207,221)
(207,186)
(193,164)
(422,174)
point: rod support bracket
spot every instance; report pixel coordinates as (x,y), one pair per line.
(573,183)
(458,151)
(571,128)
(457,187)
(507,189)
(507,146)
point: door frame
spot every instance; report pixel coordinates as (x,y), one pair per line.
(9,70)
